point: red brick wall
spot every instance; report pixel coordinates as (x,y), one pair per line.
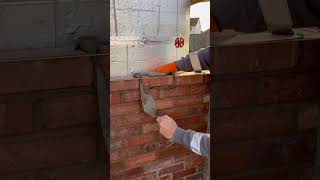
(265,110)
(49,126)
(138,151)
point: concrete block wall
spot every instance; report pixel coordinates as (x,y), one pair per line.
(50,23)
(49,124)
(138,151)
(265,110)
(143,33)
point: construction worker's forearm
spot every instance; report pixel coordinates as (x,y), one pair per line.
(202,59)
(195,141)
(184,64)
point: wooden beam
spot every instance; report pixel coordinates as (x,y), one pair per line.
(197,1)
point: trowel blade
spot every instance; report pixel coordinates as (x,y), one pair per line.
(148,103)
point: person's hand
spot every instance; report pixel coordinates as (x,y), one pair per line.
(167,126)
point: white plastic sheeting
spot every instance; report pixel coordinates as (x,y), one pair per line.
(143,34)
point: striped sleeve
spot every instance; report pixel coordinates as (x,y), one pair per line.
(194,61)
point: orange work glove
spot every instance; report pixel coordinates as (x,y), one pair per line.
(166,69)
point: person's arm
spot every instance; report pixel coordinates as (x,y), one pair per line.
(195,141)
(199,60)
(198,142)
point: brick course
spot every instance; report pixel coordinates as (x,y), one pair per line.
(138,151)
(264,109)
(49,126)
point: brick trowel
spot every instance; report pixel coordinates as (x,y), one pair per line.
(148,103)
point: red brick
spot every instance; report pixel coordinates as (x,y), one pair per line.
(190,121)
(122,109)
(118,167)
(200,89)
(230,93)
(165,103)
(171,169)
(71,110)
(180,101)
(139,140)
(175,112)
(187,101)
(45,75)
(198,176)
(118,85)
(275,174)
(207,79)
(262,154)
(114,98)
(114,155)
(153,146)
(178,91)
(124,132)
(86,171)
(159,163)
(158,81)
(231,158)
(308,117)
(98,172)
(245,123)
(171,151)
(166,177)
(130,96)
(198,162)
(291,150)
(140,159)
(129,120)
(184,173)
(126,152)
(146,176)
(287,87)
(186,158)
(255,58)
(311,54)
(25,176)
(150,127)
(46,152)
(117,144)
(128,173)
(16,117)
(190,79)
(184,111)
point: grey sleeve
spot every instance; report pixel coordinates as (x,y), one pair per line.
(195,141)
(184,63)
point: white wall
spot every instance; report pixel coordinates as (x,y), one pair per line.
(143,34)
(50,23)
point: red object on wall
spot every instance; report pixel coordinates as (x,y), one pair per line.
(179,42)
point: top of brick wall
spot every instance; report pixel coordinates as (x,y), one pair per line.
(181,78)
(38,53)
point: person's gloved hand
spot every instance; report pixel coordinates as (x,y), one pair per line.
(166,69)
(167,126)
